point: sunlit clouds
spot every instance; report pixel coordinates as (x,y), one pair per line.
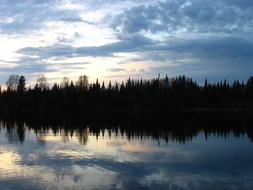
(114,40)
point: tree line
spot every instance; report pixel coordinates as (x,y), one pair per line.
(157,97)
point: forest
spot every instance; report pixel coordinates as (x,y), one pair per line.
(156,98)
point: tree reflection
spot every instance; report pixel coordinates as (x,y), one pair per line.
(15,132)
(174,129)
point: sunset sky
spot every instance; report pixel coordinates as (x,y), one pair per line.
(116,39)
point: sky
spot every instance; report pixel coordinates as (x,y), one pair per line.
(116,39)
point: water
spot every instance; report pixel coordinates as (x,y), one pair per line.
(75,158)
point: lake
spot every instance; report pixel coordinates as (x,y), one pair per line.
(84,157)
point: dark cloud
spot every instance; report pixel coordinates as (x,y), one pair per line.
(205,16)
(208,47)
(132,44)
(25,16)
(212,47)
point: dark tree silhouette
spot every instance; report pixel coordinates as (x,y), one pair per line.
(12,82)
(21,84)
(42,82)
(158,97)
(82,82)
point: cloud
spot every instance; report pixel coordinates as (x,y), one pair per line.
(200,57)
(187,16)
(25,16)
(200,47)
(194,36)
(135,43)
(32,67)
(117,70)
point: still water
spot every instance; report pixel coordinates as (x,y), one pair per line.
(61,158)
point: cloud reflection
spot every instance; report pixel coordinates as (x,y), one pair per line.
(110,161)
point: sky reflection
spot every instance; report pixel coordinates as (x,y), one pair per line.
(48,160)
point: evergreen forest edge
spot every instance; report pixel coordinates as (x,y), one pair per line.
(156,98)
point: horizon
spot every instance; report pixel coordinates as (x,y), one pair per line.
(115,40)
(51,81)
(32,84)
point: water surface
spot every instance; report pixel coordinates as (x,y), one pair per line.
(84,158)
